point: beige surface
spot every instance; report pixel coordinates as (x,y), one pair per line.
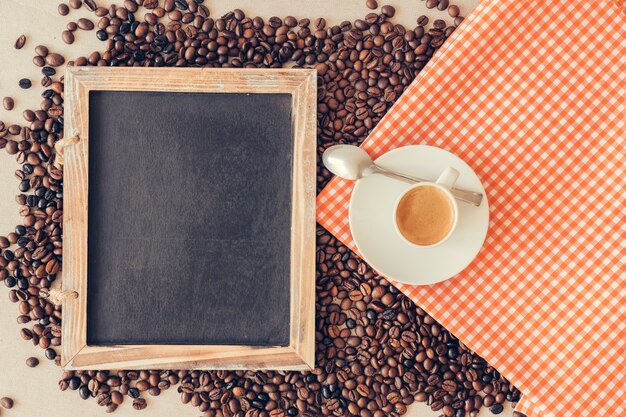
(35,390)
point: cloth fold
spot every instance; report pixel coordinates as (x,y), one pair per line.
(532,95)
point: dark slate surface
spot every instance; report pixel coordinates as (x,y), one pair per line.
(189,218)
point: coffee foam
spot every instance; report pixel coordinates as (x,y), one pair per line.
(425,215)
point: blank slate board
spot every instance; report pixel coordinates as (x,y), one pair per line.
(189,218)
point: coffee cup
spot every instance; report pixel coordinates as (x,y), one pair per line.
(426,214)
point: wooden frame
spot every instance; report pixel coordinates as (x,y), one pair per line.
(300,354)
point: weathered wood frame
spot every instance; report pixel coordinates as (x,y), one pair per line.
(300,354)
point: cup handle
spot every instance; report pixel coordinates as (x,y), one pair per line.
(448,178)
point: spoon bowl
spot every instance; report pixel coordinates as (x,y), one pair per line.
(347,161)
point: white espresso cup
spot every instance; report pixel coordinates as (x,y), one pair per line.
(426,214)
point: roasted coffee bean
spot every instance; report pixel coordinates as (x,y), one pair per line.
(496,409)
(25,83)
(117,397)
(85,24)
(439,24)
(74,383)
(90,5)
(84,392)
(278,412)
(39,61)
(6,402)
(371,4)
(50,353)
(8,103)
(32,362)
(46,81)
(54,60)
(68,37)
(19,42)
(93,386)
(63,9)
(103,399)
(139,403)
(41,50)
(449,385)
(453,10)
(388,10)
(76,4)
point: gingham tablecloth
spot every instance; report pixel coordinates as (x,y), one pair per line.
(532,95)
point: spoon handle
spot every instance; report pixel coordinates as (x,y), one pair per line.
(460,194)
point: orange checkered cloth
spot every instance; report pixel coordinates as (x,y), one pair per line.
(532,95)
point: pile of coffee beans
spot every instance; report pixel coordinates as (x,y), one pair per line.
(376,352)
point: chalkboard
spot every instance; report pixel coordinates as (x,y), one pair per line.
(189,218)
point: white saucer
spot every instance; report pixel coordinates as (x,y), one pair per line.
(371,219)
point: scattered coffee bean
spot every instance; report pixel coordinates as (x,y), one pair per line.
(117,397)
(439,24)
(6,402)
(103,399)
(453,10)
(84,392)
(48,71)
(85,24)
(290,21)
(54,60)
(74,383)
(68,37)
(19,43)
(32,362)
(139,404)
(63,9)
(90,5)
(371,4)
(388,10)
(41,50)
(50,353)
(25,83)
(8,103)
(133,393)
(39,61)
(76,4)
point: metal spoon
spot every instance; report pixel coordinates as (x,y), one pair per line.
(352,163)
